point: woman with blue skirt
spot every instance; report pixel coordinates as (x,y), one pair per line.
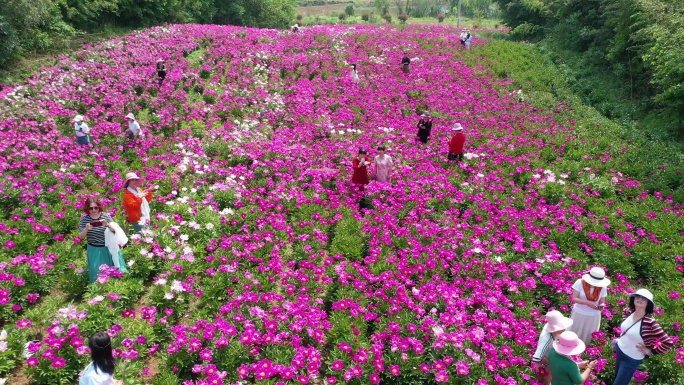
(92,227)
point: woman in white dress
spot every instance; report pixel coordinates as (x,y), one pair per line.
(589,296)
(355,74)
(383,166)
(101,370)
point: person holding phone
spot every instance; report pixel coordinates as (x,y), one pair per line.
(92,227)
(589,296)
(360,164)
(136,202)
(564,369)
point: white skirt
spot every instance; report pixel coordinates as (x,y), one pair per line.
(584,325)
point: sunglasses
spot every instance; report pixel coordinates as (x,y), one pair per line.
(93,208)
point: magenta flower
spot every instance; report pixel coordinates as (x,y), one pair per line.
(58,362)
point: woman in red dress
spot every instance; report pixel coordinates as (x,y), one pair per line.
(361,163)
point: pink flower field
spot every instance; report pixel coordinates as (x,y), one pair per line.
(265,265)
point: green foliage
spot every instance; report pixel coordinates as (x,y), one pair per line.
(255,13)
(349,9)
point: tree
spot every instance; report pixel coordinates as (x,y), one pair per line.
(255,13)
(382,6)
(349,9)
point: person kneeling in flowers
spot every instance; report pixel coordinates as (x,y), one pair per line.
(101,370)
(136,202)
(641,337)
(564,369)
(92,227)
(556,324)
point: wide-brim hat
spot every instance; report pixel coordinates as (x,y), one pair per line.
(425,114)
(457,127)
(78,118)
(569,344)
(129,177)
(130,116)
(596,277)
(160,60)
(556,321)
(644,293)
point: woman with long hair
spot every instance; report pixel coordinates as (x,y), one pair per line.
(101,370)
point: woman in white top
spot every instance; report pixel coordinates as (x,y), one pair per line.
(134,130)
(589,296)
(355,74)
(383,166)
(82,131)
(101,370)
(556,323)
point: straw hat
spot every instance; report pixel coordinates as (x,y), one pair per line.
(596,277)
(644,293)
(457,127)
(130,116)
(568,344)
(130,176)
(556,321)
(78,118)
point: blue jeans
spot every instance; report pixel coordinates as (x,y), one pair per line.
(625,367)
(138,228)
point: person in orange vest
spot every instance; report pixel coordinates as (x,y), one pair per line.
(456,143)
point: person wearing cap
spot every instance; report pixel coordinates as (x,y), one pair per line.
(589,296)
(405,63)
(101,370)
(134,131)
(82,131)
(456,143)
(136,202)
(424,127)
(360,165)
(92,227)
(556,323)
(564,369)
(383,165)
(161,71)
(642,336)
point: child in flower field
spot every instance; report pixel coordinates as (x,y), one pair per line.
(82,131)
(92,227)
(642,336)
(556,324)
(360,164)
(456,143)
(589,297)
(101,370)
(136,201)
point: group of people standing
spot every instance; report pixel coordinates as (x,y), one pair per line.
(104,236)
(563,339)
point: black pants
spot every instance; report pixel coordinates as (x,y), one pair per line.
(458,157)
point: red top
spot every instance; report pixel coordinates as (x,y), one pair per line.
(456,143)
(360,172)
